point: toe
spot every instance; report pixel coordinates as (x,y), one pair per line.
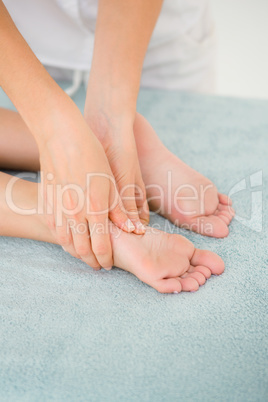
(224,199)
(211,226)
(227,215)
(198,276)
(200,268)
(189,284)
(224,218)
(227,208)
(170,285)
(208,259)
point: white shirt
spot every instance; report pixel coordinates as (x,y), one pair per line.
(180,54)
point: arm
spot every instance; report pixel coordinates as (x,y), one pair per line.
(123,31)
(25,80)
(68,150)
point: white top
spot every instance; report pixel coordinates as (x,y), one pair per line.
(180,54)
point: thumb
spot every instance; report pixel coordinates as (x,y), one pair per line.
(117,213)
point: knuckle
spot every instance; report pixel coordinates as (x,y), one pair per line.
(102,250)
(131,207)
(96,204)
(64,240)
(83,250)
(75,217)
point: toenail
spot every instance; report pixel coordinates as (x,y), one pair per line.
(175,291)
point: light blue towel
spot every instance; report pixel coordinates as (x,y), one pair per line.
(71,334)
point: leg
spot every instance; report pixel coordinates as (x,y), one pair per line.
(18,149)
(167,262)
(187,198)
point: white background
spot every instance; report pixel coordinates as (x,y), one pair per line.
(242,59)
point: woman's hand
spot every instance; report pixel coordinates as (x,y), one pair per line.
(78,188)
(115,132)
(123,32)
(77,182)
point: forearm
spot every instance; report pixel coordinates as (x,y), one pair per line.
(34,93)
(123,32)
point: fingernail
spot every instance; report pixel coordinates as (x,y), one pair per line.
(175,291)
(64,249)
(129,226)
(140,227)
(108,268)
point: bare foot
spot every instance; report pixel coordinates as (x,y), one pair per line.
(177,191)
(168,262)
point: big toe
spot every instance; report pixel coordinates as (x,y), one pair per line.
(211,226)
(208,259)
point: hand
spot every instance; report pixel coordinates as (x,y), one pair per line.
(123,31)
(69,152)
(78,188)
(116,135)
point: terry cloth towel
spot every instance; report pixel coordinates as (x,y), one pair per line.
(69,333)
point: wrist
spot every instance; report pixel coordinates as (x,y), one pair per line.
(109,127)
(53,109)
(117,96)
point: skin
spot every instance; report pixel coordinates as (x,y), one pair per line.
(18,150)
(190,199)
(167,262)
(68,149)
(123,32)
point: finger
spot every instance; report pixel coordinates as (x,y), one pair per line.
(99,224)
(127,192)
(82,242)
(70,228)
(58,223)
(64,237)
(141,201)
(47,203)
(116,211)
(100,240)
